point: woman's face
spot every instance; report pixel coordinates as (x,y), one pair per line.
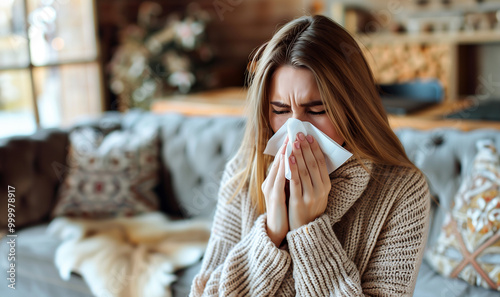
(295,94)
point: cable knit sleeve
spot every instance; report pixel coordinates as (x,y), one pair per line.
(399,250)
(321,267)
(234,265)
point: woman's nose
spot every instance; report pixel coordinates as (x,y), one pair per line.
(298,116)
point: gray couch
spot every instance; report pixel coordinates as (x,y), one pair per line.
(194,151)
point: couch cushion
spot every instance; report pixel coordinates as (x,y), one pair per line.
(36,274)
(182,286)
(431,283)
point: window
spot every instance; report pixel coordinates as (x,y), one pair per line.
(49,64)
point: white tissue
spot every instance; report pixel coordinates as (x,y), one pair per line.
(335,155)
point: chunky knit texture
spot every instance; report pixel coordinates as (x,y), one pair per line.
(369,241)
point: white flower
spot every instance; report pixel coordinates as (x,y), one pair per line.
(182,79)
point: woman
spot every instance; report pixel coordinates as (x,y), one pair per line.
(358,231)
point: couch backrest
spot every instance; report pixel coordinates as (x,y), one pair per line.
(34,166)
(445,156)
(193,154)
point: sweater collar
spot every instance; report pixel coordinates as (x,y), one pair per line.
(349,182)
(352,169)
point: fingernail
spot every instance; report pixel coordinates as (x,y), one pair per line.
(309,138)
(292,159)
(297,144)
(301,136)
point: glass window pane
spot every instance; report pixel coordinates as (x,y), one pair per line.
(61,31)
(16,103)
(67,92)
(13,42)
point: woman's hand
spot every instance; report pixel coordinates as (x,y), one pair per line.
(273,188)
(310,183)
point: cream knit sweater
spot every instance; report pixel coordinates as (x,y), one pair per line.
(369,241)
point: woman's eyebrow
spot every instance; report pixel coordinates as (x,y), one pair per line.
(308,104)
(312,103)
(279,104)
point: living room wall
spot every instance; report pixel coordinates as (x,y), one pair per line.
(237,27)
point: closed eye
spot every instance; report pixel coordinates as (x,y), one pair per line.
(310,112)
(317,112)
(280,112)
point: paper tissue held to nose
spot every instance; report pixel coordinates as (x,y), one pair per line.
(335,155)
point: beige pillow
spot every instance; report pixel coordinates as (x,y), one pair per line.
(110,176)
(469,244)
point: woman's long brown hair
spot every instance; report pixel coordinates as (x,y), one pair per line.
(348,92)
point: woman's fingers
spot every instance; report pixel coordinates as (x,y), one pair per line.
(308,191)
(295,184)
(279,182)
(310,160)
(274,168)
(320,158)
(283,147)
(303,172)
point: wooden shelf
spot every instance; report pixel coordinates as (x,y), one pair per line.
(489,36)
(427,124)
(231,102)
(454,59)
(228,102)
(433,117)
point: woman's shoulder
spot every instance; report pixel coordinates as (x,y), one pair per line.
(231,178)
(404,181)
(398,173)
(237,162)
(388,174)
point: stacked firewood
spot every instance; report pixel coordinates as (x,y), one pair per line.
(392,63)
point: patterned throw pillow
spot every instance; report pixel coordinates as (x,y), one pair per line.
(469,244)
(110,176)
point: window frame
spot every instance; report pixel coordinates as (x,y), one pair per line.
(31,67)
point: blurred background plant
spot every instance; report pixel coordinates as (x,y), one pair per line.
(161,56)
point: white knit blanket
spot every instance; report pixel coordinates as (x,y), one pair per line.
(128,257)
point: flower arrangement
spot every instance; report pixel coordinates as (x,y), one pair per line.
(161,56)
